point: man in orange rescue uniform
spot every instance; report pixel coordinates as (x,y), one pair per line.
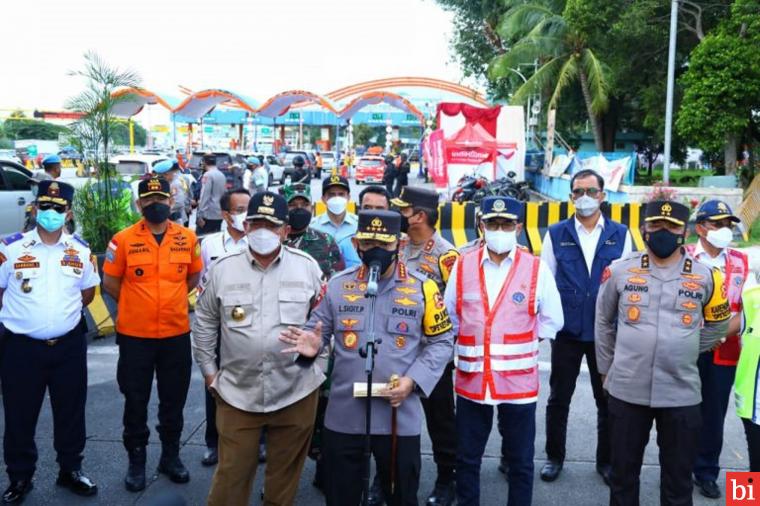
(150,267)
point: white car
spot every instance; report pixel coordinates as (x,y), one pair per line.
(10,155)
(16,194)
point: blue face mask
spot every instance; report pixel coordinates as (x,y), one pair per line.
(51,220)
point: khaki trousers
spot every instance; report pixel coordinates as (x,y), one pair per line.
(288,436)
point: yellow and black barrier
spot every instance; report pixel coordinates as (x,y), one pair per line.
(456,220)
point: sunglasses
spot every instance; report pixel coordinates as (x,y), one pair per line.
(46,206)
(591,192)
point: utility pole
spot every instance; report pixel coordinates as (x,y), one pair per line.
(671,85)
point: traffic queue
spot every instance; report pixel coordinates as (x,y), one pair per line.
(332,337)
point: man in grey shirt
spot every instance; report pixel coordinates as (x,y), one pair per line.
(657,310)
(213,186)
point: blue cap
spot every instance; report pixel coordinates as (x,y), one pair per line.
(715,210)
(502,207)
(50,159)
(253,160)
(164,166)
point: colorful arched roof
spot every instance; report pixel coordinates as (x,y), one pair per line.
(201,103)
(130,101)
(282,102)
(377,97)
(198,104)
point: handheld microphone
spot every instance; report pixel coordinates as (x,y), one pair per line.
(374,273)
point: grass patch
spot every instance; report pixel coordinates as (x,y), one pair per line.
(685,177)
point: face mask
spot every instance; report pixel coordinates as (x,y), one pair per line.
(156,212)
(238,222)
(663,242)
(51,220)
(500,241)
(337,205)
(263,241)
(720,238)
(377,254)
(585,206)
(299,218)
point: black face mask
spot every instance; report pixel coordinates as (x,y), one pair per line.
(299,218)
(377,254)
(663,242)
(156,212)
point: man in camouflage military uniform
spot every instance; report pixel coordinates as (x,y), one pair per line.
(305,238)
(415,343)
(429,254)
(657,310)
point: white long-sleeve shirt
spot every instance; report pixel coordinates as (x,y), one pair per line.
(548,305)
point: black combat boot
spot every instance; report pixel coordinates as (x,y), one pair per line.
(171,465)
(135,479)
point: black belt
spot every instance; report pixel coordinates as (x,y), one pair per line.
(77,330)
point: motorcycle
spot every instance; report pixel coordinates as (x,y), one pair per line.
(467,187)
(471,188)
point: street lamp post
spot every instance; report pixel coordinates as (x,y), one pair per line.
(671,85)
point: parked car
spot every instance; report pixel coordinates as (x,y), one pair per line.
(16,194)
(369,169)
(136,165)
(224,162)
(328,161)
(10,155)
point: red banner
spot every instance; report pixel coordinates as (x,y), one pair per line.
(464,155)
(437,159)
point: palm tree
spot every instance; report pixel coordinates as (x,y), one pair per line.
(541,33)
(101,205)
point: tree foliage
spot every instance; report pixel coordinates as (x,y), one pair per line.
(722,84)
(22,128)
(120,132)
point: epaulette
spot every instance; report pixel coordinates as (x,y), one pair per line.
(13,238)
(81,241)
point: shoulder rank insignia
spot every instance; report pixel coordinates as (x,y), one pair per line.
(429,246)
(13,238)
(687,266)
(81,241)
(645,261)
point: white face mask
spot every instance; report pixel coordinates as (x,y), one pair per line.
(238,222)
(337,205)
(500,241)
(585,206)
(720,238)
(263,241)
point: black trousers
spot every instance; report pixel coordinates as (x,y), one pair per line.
(139,359)
(677,436)
(567,356)
(209,227)
(717,381)
(28,369)
(752,433)
(344,463)
(442,425)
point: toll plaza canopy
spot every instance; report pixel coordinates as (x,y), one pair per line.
(296,106)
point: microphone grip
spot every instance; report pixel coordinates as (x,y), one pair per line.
(374,273)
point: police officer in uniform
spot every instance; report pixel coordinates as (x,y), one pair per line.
(656,311)
(430,255)
(46,277)
(717,367)
(409,308)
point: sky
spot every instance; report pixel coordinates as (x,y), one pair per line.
(253,47)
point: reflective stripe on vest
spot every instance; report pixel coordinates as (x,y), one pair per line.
(737,270)
(746,380)
(497,346)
